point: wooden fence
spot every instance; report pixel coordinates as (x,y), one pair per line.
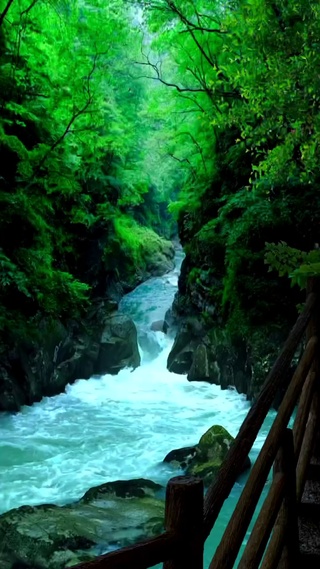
(274,538)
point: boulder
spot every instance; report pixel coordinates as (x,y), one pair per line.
(181,457)
(149,344)
(199,370)
(204,353)
(205,458)
(158,326)
(105,342)
(118,345)
(160,257)
(108,516)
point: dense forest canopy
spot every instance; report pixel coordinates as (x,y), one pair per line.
(78,155)
(112,111)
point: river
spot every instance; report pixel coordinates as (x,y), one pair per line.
(117,427)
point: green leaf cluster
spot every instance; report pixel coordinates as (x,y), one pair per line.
(240,76)
(78,157)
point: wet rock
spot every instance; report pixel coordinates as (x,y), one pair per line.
(149,344)
(199,370)
(158,326)
(181,456)
(118,345)
(59,352)
(52,537)
(204,353)
(136,488)
(205,458)
(105,342)
(181,355)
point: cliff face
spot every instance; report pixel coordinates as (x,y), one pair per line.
(231,313)
(64,349)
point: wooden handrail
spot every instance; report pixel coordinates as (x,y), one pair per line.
(144,554)
(283,485)
(189,520)
(232,465)
(236,529)
(303,412)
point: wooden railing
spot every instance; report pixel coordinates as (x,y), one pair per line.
(189,519)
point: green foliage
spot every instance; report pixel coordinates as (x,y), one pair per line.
(298,265)
(140,246)
(109,114)
(240,77)
(78,155)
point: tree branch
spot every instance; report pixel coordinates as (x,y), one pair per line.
(159,78)
(5,11)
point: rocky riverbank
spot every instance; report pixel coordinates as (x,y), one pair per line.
(63,350)
(106,517)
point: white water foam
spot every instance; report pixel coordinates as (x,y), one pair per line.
(115,427)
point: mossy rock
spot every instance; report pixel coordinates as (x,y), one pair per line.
(207,471)
(215,440)
(115,514)
(181,457)
(205,458)
(136,488)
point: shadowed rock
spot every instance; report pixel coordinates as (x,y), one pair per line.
(111,515)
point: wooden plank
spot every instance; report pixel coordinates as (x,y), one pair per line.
(229,546)
(274,549)
(261,531)
(140,556)
(303,412)
(289,511)
(283,488)
(308,443)
(232,465)
(313,419)
(184,517)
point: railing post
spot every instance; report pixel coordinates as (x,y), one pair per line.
(288,515)
(184,517)
(313,422)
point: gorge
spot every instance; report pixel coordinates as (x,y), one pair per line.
(114,428)
(159,220)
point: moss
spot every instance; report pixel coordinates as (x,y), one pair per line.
(137,250)
(137,488)
(205,470)
(215,435)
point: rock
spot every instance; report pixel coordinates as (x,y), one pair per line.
(149,344)
(118,345)
(160,265)
(204,353)
(181,355)
(158,326)
(136,488)
(205,458)
(199,370)
(160,258)
(170,322)
(103,343)
(181,456)
(52,537)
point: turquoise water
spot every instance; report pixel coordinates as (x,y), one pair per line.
(116,427)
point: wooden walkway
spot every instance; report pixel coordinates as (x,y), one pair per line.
(274,539)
